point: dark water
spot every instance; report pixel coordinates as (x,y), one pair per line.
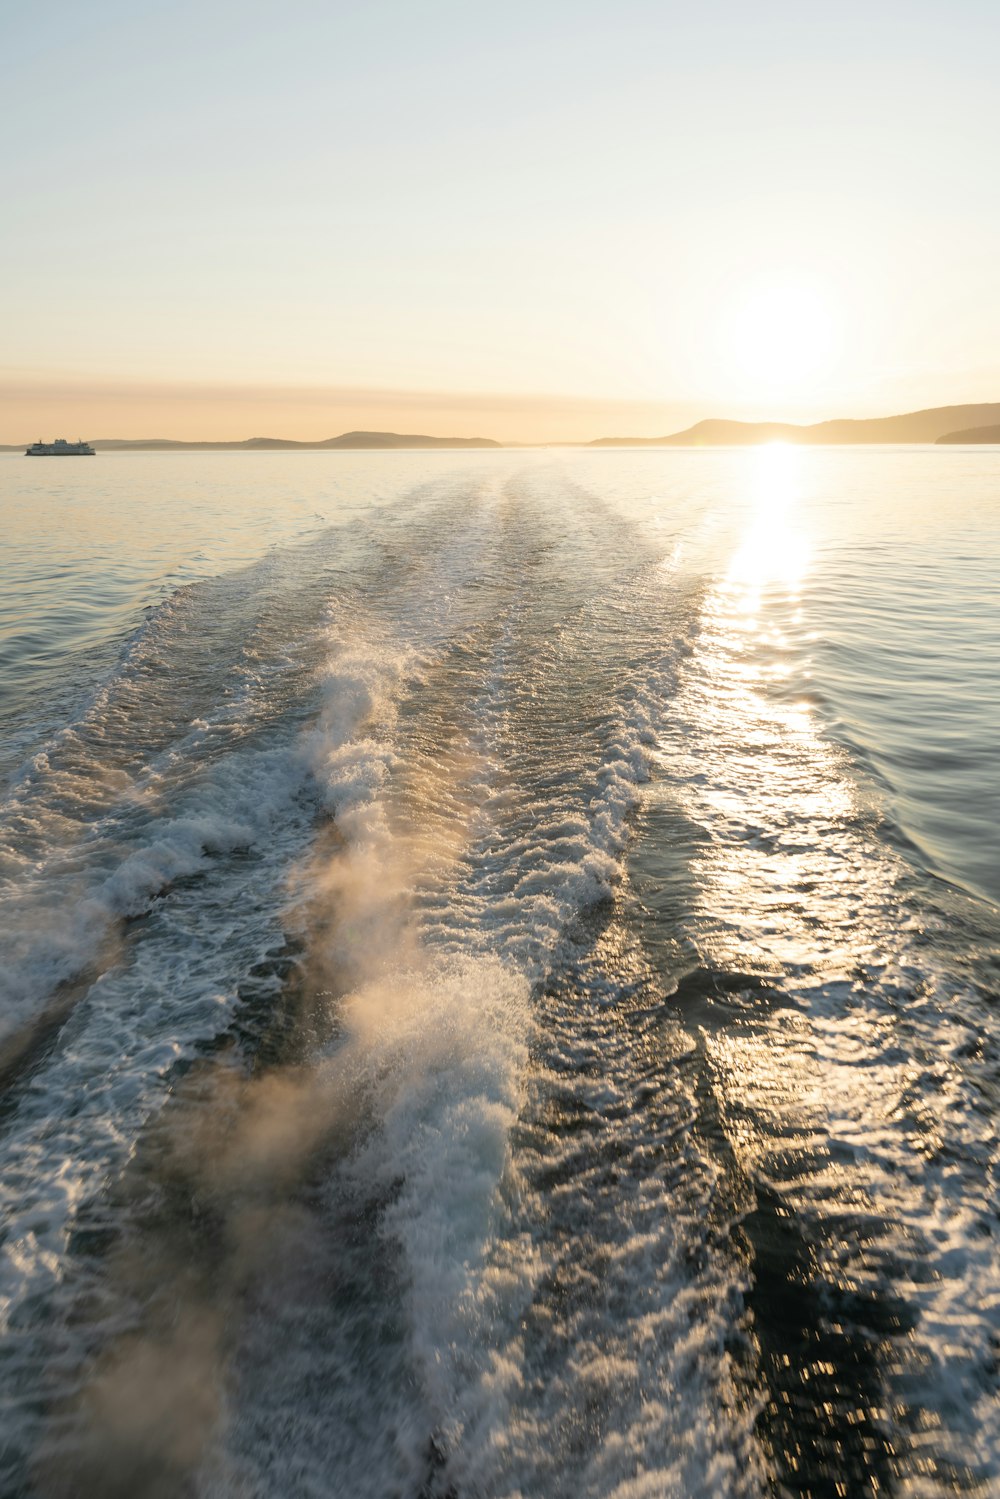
(500,974)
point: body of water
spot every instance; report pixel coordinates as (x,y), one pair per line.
(500,974)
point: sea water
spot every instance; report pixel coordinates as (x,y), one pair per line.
(500,962)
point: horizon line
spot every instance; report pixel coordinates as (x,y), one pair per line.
(423,439)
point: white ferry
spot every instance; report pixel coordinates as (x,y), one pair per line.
(58,449)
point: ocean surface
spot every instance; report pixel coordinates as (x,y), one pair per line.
(500,974)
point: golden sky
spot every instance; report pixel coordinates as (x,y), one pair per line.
(551,221)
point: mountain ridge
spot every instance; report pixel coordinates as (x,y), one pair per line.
(381,440)
(928,425)
(970,423)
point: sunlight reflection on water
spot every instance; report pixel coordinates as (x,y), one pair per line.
(766,772)
(834,1041)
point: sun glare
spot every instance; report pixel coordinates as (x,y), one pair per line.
(773,549)
(780,336)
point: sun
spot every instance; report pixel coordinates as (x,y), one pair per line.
(780,337)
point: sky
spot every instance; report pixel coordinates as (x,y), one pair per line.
(532,221)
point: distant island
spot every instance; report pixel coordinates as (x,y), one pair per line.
(939,423)
(279,444)
(973,434)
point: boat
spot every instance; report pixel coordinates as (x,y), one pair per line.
(58,449)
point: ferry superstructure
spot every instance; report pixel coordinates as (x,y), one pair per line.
(59,449)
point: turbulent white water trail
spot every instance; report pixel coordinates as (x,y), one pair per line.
(474,1035)
(483,798)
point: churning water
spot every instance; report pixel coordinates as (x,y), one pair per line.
(500,973)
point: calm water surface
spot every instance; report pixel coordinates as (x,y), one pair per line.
(500,974)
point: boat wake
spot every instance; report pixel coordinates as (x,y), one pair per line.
(470,1032)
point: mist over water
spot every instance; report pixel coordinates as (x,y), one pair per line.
(500,974)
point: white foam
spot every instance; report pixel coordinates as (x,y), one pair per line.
(442,953)
(88,1104)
